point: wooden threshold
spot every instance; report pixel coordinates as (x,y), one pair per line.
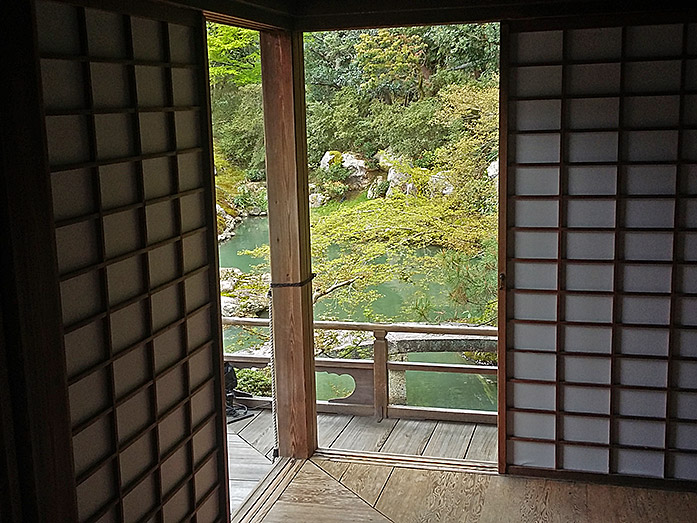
(406,461)
(264,495)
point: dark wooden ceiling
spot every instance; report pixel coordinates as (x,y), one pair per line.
(316,15)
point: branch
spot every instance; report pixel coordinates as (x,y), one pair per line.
(320,293)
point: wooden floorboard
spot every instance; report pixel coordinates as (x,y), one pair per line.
(259,432)
(315,496)
(329,426)
(364,433)
(246,467)
(409,436)
(484,444)
(367,481)
(439,439)
(450,440)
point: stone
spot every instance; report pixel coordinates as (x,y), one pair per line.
(439,184)
(493,170)
(318,199)
(330,158)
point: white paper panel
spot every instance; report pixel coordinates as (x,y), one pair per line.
(125,279)
(685,466)
(182,44)
(85,347)
(119,185)
(685,436)
(141,500)
(157,177)
(190,171)
(110,86)
(650,342)
(578,338)
(690,109)
(177,507)
(175,469)
(642,403)
(534,306)
(194,252)
(77,246)
(62,83)
(646,278)
(688,214)
(687,343)
(690,74)
(537,148)
(202,404)
(580,277)
(106,34)
(687,311)
(536,81)
(95,444)
(651,111)
(685,404)
(187,126)
(88,396)
(128,326)
(198,329)
(168,349)
(60,31)
(590,213)
(150,82)
(652,77)
(585,459)
(154,133)
(164,264)
(585,399)
(652,146)
(594,79)
(81,297)
(655,246)
(649,373)
(131,371)
(587,369)
(689,145)
(147,39)
(161,221)
(590,245)
(592,147)
(531,336)
(532,425)
(640,463)
(530,366)
(534,276)
(68,141)
(586,429)
(535,181)
(536,46)
(121,233)
(688,250)
(593,113)
(197,291)
(595,44)
(535,244)
(650,179)
(536,115)
(536,213)
(646,310)
(599,180)
(687,375)
(582,308)
(166,307)
(201,367)
(531,396)
(171,389)
(654,40)
(538,455)
(96,491)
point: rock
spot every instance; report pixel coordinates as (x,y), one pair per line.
(358,177)
(318,199)
(330,158)
(493,170)
(439,184)
(398,181)
(255,211)
(376,188)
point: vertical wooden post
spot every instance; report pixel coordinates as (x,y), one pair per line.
(283,86)
(381,392)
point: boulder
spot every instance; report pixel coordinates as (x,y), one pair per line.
(318,199)
(493,170)
(439,184)
(330,158)
(358,177)
(376,188)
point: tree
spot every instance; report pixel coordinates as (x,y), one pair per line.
(233,55)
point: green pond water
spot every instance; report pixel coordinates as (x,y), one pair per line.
(427,389)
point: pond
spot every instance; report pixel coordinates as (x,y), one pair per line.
(464,391)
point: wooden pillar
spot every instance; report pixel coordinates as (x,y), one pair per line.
(380,383)
(289,231)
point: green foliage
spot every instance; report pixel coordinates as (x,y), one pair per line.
(251,196)
(255,175)
(253,381)
(233,55)
(391,61)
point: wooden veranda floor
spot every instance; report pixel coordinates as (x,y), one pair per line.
(329,491)
(251,442)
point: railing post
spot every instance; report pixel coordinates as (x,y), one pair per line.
(380,383)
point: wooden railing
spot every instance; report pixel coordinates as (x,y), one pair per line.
(371,393)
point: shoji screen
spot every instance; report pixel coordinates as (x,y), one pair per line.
(601,250)
(126,123)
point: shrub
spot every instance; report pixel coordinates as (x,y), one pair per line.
(254,381)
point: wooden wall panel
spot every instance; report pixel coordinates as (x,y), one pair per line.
(125,101)
(600,209)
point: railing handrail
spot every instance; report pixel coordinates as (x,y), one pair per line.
(471,330)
